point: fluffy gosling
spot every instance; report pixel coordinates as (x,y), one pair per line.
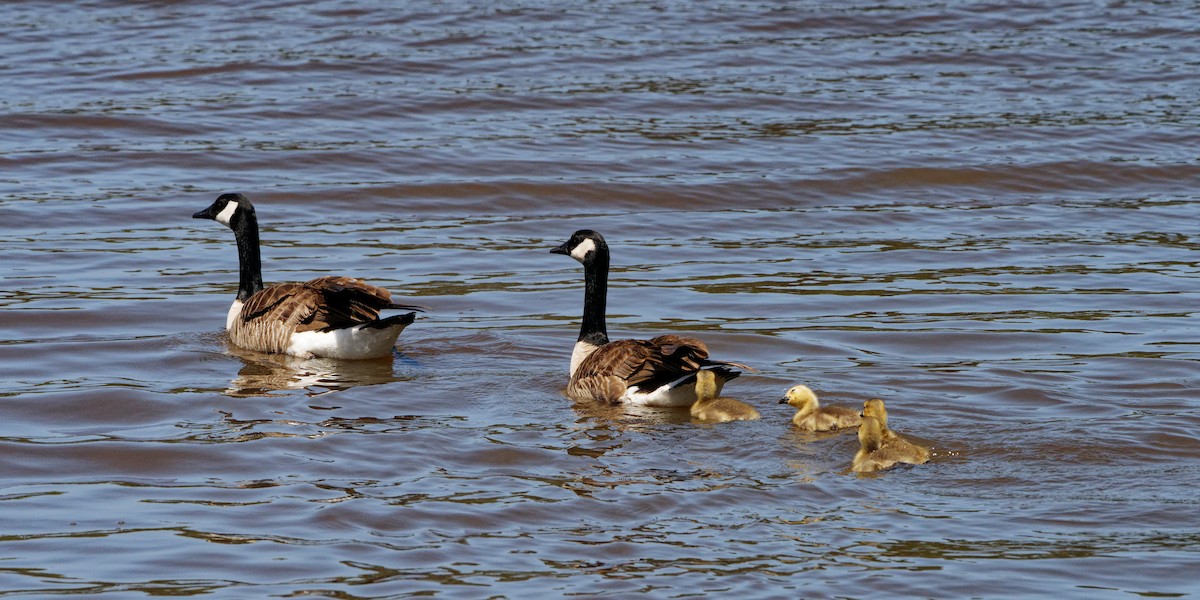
(709,408)
(875,408)
(811,416)
(876,454)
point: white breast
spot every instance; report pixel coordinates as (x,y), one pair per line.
(235,311)
(582,350)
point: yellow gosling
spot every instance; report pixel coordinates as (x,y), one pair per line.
(811,416)
(870,440)
(876,454)
(709,408)
(875,408)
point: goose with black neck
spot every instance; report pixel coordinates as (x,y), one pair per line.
(660,371)
(329,317)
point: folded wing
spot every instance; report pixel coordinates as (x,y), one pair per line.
(613,368)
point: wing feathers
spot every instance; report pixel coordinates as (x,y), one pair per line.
(270,317)
(607,373)
(602,389)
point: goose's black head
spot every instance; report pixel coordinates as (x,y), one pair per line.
(228,210)
(584,246)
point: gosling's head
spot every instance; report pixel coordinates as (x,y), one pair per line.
(870,434)
(874,408)
(706,385)
(799,396)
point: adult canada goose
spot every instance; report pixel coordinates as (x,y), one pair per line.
(657,372)
(876,454)
(709,407)
(811,416)
(331,317)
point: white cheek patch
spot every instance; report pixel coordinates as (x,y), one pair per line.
(581,251)
(226,214)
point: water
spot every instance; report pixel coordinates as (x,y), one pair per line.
(984,214)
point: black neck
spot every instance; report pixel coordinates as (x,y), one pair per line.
(595,294)
(245,230)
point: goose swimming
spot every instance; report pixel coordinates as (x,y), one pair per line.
(331,317)
(660,371)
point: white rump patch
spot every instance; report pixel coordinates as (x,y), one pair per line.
(581,251)
(676,394)
(349,343)
(226,214)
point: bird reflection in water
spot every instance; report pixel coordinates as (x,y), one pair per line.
(264,374)
(629,417)
(600,428)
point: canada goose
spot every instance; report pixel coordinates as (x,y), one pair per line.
(876,454)
(657,372)
(875,408)
(709,407)
(811,416)
(331,317)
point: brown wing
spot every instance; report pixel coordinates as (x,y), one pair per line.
(345,302)
(690,349)
(681,354)
(671,344)
(290,304)
(323,303)
(356,301)
(646,364)
(362,290)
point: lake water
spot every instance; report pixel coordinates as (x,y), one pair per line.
(986,214)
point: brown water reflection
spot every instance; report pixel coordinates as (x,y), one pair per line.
(984,214)
(266,374)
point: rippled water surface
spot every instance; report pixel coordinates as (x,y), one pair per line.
(985,214)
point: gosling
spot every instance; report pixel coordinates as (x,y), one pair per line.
(875,408)
(811,416)
(876,454)
(711,409)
